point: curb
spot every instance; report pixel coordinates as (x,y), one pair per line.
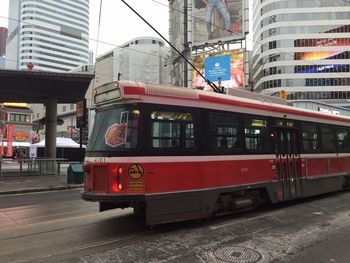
(43,189)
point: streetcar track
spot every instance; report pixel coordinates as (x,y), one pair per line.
(52,222)
(239,221)
(78,248)
(41,192)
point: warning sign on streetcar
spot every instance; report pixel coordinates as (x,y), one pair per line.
(135,171)
(136,186)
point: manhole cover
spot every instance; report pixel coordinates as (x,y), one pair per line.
(237,254)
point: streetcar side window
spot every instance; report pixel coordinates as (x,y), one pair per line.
(165,134)
(189,135)
(343,136)
(311,140)
(328,139)
(257,136)
(223,132)
(172,130)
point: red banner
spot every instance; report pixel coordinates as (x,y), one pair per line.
(2,147)
(2,128)
(10,131)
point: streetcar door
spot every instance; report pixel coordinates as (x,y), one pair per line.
(288,163)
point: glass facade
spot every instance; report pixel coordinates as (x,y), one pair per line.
(51,35)
(302,47)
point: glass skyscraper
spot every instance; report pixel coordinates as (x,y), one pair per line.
(303,48)
(51,35)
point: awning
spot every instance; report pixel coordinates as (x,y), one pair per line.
(60,143)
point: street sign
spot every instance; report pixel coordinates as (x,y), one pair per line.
(81,114)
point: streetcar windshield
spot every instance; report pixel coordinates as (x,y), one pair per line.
(115,129)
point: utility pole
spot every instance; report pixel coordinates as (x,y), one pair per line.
(186,46)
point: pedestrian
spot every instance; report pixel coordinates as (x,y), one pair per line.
(18,155)
(14,154)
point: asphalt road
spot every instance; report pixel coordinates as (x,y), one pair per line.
(60,227)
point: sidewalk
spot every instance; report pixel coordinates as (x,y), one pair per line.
(34,183)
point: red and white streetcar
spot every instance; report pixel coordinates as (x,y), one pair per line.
(179,154)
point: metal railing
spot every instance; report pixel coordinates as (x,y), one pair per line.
(31,166)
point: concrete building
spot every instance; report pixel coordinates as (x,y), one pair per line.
(303,48)
(140,59)
(51,35)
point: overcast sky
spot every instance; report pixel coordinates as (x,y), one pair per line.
(118,23)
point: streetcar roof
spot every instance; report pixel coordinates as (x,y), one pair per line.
(243,101)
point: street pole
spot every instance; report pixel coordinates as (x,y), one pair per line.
(81,144)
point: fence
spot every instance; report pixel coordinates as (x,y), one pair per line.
(37,166)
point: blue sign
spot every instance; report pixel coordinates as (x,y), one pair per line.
(217,68)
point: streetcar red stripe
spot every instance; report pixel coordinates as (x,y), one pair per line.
(134,90)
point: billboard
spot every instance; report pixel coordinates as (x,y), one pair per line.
(215,20)
(321,55)
(320,42)
(10,129)
(225,66)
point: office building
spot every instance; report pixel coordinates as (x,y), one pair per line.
(302,48)
(50,35)
(141,59)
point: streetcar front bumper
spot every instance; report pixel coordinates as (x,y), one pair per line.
(110,197)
